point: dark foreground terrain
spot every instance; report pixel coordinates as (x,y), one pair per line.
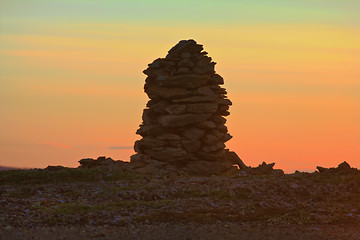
(110,204)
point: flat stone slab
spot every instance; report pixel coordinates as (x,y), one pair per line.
(167,92)
(182,119)
(169,154)
(184,80)
(195,99)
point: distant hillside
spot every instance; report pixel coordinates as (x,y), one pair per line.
(7,168)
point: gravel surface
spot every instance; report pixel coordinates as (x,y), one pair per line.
(297,206)
(190,231)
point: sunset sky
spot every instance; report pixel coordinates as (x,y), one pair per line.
(71,81)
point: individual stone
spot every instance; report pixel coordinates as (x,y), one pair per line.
(153,73)
(139,160)
(176,109)
(182,70)
(92,163)
(216,79)
(226,137)
(193,133)
(167,92)
(213,156)
(55,168)
(152,130)
(223,107)
(86,162)
(186,62)
(182,119)
(159,107)
(157,63)
(217,89)
(234,159)
(264,169)
(203,70)
(206,125)
(218,120)
(148,117)
(188,46)
(209,139)
(205,91)
(224,113)
(216,133)
(184,80)
(175,143)
(185,55)
(322,169)
(224,101)
(191,146)
(222,128)
(169,154)
(342,168)
(213,148)
(148,143)
(201,108)
(195,99)
(169,136)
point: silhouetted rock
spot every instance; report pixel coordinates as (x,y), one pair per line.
(55,168)
(86,162)
(183,125)
(234,159)
(264,169)
(342,168)
(103,162)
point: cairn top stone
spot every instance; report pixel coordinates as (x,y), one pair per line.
(189,46)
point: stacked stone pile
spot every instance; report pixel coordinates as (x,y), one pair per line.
(183,124)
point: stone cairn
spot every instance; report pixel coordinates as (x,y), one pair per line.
(183,123)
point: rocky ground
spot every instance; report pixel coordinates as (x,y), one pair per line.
(106,203)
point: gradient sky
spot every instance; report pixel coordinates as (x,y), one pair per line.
(71,82)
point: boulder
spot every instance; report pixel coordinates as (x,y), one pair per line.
(342,168)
